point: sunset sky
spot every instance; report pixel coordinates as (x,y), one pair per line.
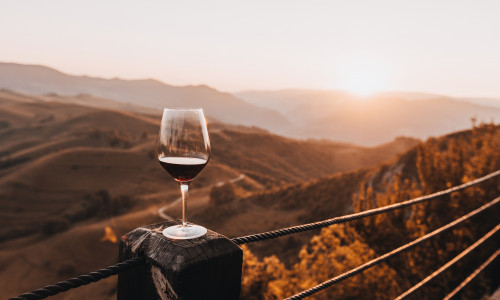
(448,47)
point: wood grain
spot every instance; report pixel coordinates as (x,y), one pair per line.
(208,267)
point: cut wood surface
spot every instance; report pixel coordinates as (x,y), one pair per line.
(208,267)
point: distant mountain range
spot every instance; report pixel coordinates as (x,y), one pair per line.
(372,120)
(333,115)
(74,162)
(224,107)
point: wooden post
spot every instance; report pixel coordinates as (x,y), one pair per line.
(208,267)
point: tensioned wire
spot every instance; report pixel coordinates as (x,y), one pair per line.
(472,275)
(390,254)
(426,280)
(343,219)
(72,283)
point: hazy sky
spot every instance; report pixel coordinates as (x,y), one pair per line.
(450,47)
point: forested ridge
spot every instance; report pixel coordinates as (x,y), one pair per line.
(434,165)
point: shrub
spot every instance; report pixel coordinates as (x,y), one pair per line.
(224,194)
(55,225)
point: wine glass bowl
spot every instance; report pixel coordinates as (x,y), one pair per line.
(183,151)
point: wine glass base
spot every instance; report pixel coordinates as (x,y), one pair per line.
(178,232)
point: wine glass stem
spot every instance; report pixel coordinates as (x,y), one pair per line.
(184,192)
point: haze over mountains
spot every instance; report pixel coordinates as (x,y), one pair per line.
(226,108)
(373,119)
(333,115)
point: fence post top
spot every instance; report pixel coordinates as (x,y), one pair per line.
(208,267)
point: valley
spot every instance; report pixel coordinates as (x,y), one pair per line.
(69,171)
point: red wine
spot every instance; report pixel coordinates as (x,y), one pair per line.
(183,168)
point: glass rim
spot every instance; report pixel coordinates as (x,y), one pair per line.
(183,109)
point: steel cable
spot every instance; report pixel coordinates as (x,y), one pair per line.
(343,219)
(472,276)
(448,264)
(72,283)
(390,254)
(131,263)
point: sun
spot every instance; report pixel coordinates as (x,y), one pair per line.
(362,87)
(362,83)
(363,79)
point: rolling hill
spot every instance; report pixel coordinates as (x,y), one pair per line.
(69,170)
(333,115)
(55,156)
(224,107)
(432,166)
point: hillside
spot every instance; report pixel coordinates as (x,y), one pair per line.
(224,107)
(333,195)
(431,166)
(53,152)
(371,120)
(68,171)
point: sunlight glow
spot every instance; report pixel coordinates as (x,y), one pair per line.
(363,85)
(363,78)
(220,44)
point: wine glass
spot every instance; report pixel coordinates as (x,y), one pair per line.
(183,151)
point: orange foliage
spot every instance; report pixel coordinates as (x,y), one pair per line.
(435,165)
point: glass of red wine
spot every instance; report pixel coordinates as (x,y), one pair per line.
(183,151)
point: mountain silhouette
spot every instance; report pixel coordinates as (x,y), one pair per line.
(370,120)
(224,107)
